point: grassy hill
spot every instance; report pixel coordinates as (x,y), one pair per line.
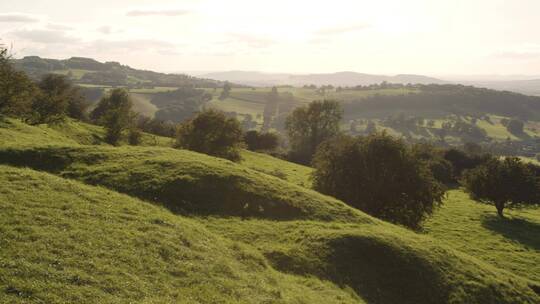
(216,231)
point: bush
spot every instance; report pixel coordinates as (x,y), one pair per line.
(308,126)
(503,183)
(462,161)
(212,133)
(114,113)
(16,89)
(378,175)
(441,168)
(261,141)
(56,99)
(134,137)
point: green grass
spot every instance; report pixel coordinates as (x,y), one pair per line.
(291,172)
(512,244)
(218,231)
(16,133)
(64,242)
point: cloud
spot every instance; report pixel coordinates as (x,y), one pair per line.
(105,29)
(331,31)
(166,13)
(44,36)
(17,17)
(523,52)
(58,27)
(249,40)
(131,46)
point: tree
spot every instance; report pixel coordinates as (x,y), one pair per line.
(213,133)
(503,183)
(226,91)
(515,126)
(16,89)
(57,98)
(379,175)
(114,112)
(261,141)
(308,126)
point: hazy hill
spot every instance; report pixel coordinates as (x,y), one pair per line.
(335,79)
(90,71)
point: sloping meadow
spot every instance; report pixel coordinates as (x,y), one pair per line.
(298,231)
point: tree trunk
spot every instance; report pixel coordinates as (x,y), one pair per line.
(500,208)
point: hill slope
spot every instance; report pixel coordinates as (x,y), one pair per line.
(90,71)
(64,242)
(301,236)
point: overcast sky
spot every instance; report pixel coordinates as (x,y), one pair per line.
(433,37)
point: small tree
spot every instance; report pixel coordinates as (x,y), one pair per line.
(226,91)
(16,89)
(308,126)
(212,133)
(114,112)
(261,141)
(379,175)
(515,126)
(503,183)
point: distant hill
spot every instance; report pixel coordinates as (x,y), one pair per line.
(90,71)
(335,79)
(529,86)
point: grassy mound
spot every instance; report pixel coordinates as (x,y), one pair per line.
(381,262)
(320,250)
(512,244)
(13,132)
(64,242)
(184,181)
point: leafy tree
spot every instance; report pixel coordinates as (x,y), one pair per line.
(379,175)
(58,98)
(462,160)
(503,183)
(134,136)
(261,141)
(433,157)
(213,133)
(308,126)
(515,126)
(114,112)
(226,91)
(16,89)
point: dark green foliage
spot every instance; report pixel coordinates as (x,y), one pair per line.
(503,183)
(261,141)
(462,160)
(156,126)
(378,175)
(441,168)
(515,126)
(134,137)
(16,89)
(213,133)
(181,104)
(56,99)
(308,126)
(114,113)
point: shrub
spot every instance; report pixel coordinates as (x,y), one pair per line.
(503,183)
(134,137)
(378,175)
(261,141)
(308,126)
(16,89)
(114,113)
(213,133)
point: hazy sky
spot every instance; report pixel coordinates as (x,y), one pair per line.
(432,37)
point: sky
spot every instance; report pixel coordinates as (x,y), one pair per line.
(430,37)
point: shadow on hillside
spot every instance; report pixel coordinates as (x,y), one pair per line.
(516,229)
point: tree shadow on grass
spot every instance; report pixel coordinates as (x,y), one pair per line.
(516,229)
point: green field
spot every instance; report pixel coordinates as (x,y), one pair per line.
(197,229)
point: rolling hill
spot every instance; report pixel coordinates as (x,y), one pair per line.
(335,79)
(91,72)
(199,229)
